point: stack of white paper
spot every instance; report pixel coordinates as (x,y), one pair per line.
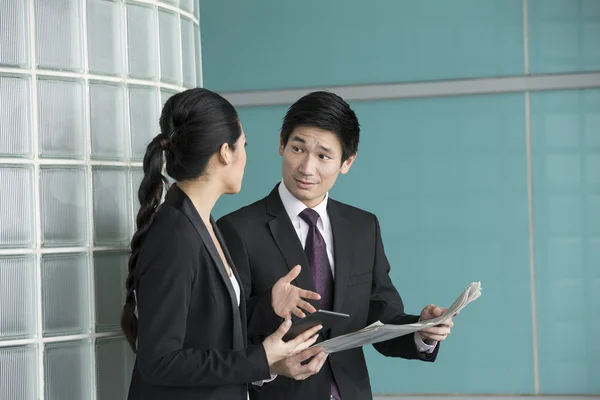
(378,332)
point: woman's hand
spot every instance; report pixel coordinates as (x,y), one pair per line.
(276,349)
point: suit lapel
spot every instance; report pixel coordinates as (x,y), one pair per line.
(286,238)
(180,200)
(342,252)
(242,307)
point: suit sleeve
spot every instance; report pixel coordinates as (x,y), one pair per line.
(167,268)
(262,320)
(387,306)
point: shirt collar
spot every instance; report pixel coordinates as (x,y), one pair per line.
(293,206)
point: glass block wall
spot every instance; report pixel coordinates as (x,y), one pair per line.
(81,88)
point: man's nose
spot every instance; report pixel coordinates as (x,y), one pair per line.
(308,166)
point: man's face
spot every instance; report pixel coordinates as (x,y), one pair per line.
(312,161)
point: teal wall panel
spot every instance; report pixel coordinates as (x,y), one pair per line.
(564,35)
(251,45)
(566,172)
(447,177)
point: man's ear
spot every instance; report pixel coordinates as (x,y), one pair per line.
(281,145)
(348,163)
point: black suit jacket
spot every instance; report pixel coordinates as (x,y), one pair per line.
(192,334)
(265,246)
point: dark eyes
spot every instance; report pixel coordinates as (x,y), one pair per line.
(321,156)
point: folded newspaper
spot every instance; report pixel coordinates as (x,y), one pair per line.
(378,332)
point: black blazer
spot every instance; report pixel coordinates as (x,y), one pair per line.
(191,342)
(264,246)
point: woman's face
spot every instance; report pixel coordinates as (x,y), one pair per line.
(235,173)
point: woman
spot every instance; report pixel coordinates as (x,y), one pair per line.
(185,313)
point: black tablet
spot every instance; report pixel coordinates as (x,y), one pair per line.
(326,318)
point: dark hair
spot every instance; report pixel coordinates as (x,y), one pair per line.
(327,111)
(194,125)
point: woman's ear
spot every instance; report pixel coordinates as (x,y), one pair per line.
(225,154)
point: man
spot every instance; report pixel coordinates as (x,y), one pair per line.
(339,249)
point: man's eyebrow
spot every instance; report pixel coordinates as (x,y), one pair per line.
(301,140)
(326,149)
(298,139)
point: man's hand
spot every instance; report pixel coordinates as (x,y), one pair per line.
(287,299)
(439,332)
(292,367)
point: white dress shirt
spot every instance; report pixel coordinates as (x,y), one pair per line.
(294,207)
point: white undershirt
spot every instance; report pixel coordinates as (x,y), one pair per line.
(236,288)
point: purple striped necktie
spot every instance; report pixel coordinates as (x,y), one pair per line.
(316,253)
